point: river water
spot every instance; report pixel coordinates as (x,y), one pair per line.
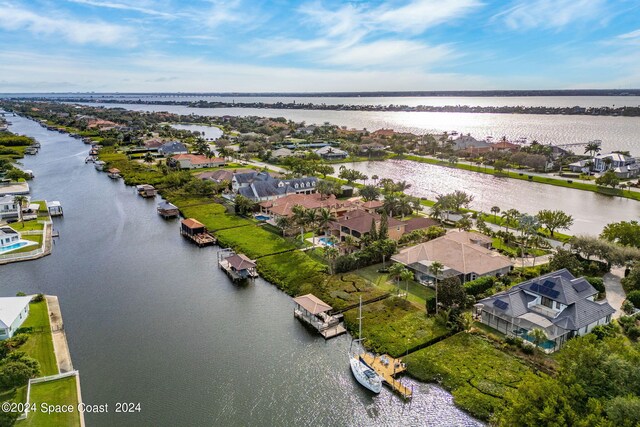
(616,133)
(150,319)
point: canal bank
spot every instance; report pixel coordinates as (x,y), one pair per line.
(151,319)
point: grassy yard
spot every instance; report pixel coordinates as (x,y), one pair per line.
(40,345)
(253,241)
(418,293)
(35,238)
(27,225)
(213,216)
(58,392)
(393,326)
(293,272)
(477,374)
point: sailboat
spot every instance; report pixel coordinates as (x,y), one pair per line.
(364,373)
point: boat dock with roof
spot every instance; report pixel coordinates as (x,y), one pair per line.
(237,266)
(195,231)
(315,313)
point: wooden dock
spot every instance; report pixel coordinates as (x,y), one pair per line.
(388,367)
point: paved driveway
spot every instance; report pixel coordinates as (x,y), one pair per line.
(615,293)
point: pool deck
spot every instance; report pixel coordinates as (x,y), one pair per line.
(42,251)
(316,242)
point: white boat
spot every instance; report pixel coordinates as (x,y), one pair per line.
(364,374)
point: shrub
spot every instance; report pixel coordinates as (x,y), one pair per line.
(634,297)
(627,307)
(38,298)
(527,348)
(633,333)
(480,285)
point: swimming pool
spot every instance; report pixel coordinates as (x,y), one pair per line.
(20,244)
(262,217)
(326,241)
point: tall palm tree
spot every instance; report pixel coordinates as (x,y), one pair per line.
(592,147)
(406,275)
(436,269)
(495,210)
(509,216)
(19,201)
(324,217)
(395,271)
(283,222)
(349,243)
(331,253)
(310,218)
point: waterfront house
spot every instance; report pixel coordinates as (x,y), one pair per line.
(283,207)
(8,236)
(419,223)
(153,144)
(357,224)
(624,166)
(13,312)
(261,186)
(466,142)
(314,312)
(172,148)
(464,254)
(557,303)
(8,207)
(221,175)
(195,161)
(372,205)
(331,153)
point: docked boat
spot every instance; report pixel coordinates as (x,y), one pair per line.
(99,165)
(364,374)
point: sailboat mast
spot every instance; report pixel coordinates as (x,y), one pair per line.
(360,319)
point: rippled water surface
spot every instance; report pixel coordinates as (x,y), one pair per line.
(150,319)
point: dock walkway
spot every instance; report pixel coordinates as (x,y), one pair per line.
(387,368)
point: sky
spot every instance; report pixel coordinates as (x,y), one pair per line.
(317,45)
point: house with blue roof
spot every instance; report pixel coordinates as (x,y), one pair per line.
(172,148)
(261,186)
(558,303)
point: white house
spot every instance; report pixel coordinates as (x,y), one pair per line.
(8,236)
(8,208)
(13,313)
(624,166)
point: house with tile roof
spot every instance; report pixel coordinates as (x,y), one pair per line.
(196,161)
(466,255)
(357,224)
(558,303)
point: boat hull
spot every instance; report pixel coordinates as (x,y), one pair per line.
(358,370)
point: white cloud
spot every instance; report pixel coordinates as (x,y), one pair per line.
(555,14)
(153,73)
(418,15)
(13,18)
(135,7)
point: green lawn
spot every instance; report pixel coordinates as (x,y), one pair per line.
(213,216)
(57,392)
(40,345)
(393,326)
(477,374)
(418,293)
(253,241)
(28,225)
(293,272)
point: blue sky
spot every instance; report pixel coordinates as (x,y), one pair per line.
(325,45)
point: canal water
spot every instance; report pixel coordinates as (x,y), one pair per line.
(150,319)
(591,211)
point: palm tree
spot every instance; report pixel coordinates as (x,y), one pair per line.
(592,147)
(283,222)
(436,269)
(406,275)
(299,218)
(331,253)
(323,218)
(495,210)
(375,179)
(349,243)
(310,218)
(19,202)
(538,335)
(395,271)
(508,216)
(148,158)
